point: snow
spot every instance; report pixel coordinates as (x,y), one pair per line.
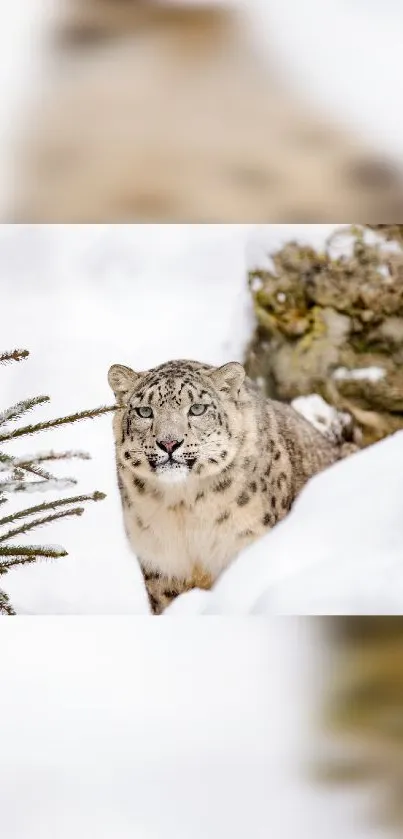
(369,374)
(338,552)
(341,244)
(337,240)
(266,239)
(256,284)
(323,416)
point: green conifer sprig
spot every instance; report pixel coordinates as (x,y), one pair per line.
(19,484)
(44,426)
(17,465)
(16,411)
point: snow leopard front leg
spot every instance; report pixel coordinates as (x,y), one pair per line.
(160,590)
(163,590)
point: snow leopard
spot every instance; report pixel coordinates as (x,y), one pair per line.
(205,466)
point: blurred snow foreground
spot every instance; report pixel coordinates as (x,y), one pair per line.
(339,551)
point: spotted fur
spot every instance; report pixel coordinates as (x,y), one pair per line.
(235,474)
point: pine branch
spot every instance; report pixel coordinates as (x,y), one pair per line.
(13,463)
(44,426)
(24,528)
(36,486)
(20,408)
(23,555)
(51,505)
(32,552)
(5,605)
(5,566)
(28,463)
(17,477)
(51,455)
(15,355)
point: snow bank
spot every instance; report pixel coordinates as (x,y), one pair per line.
(340,551)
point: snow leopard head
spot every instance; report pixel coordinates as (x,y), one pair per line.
(178,419)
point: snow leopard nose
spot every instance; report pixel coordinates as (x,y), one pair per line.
(169,445)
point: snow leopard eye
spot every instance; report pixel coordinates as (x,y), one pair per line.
(197,410)
(145,412)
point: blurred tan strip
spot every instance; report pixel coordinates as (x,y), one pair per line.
(164,113)
(86,21)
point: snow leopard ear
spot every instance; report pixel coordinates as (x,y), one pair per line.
(122,380)
(229,378)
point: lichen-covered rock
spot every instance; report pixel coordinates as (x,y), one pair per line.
(331,323)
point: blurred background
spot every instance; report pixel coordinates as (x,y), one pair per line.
(203,111)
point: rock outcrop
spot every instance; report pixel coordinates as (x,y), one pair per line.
(331,323)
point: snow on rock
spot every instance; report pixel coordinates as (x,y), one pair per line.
(341,243)
(323,416)
(338,240)
(340,551)
(370,374)
(266,239)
